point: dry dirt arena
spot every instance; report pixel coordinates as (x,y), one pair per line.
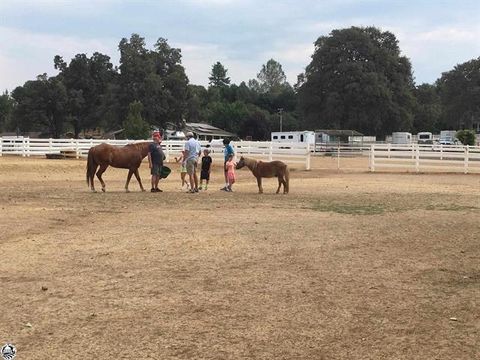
(349,265)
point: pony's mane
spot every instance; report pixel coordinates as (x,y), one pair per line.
(139,145)
(251,163)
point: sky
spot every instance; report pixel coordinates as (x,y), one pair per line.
(435,35)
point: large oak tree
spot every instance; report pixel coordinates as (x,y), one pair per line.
(358,80)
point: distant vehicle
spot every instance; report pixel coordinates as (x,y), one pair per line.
(425,137)
(401,138)
(294,137)
(448,137)
(216,145)
(174,135)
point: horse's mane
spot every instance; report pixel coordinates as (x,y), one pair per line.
(139,145)
(251,163)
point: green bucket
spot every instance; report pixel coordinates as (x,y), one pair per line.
(164,172)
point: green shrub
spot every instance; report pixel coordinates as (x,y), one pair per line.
(135,127)
(466,137)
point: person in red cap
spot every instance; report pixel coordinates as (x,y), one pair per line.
(155,160)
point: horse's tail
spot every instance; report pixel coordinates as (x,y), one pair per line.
(287,179)
(91,166)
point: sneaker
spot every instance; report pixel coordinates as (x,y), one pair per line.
(158,190)
(153,190)
(224,188)
(196,190)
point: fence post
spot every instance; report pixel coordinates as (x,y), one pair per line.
(167,151)
(1,145)
(23,146)
(338,156)
(417,158)
(465,163)
(308,157)
(372,158)
(388,149)
(441,152)
(270,154)
(77,149)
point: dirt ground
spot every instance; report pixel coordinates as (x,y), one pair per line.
(349,265)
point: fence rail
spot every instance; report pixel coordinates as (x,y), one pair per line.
(445,158)
(296,153)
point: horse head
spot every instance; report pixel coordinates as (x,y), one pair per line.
(241,163)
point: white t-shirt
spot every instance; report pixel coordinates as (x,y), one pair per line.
(193,147)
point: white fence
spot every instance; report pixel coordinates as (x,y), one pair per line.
(422,158)
(296,153)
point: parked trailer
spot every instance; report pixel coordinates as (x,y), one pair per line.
(305,137)
(425,137)
(401,138)
(448,137)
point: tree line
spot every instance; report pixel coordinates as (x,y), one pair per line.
(357,79)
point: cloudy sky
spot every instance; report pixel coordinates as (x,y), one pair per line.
(242,34)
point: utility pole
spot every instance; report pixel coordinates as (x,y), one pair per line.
(280,111)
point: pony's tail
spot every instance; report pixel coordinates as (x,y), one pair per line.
(90,166)
(287,179)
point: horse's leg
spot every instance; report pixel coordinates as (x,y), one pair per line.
(137,175)
(259,182)
(129,176)
(99,175)
(92,179)
(280,182)
(284,182)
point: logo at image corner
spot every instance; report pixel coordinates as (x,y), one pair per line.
(9,352)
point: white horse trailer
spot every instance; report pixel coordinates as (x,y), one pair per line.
(401,138)
(448,137)
(294,137)
(425,137)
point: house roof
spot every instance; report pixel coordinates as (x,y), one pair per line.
(207,129)
(333,132)
(30,134)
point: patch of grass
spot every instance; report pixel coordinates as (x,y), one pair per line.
(451,207)
(351,209)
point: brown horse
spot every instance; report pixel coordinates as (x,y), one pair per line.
(126,157)
(270,169)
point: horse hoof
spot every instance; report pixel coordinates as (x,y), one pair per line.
(103,189)
(143,190)
(127,191)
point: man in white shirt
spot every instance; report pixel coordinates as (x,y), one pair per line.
(192,152)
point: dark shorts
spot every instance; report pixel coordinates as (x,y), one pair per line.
(204,175)
(156,170)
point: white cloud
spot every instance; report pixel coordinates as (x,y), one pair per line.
(56,6)
(25,54)
(198,60)
(438,50)
(292,53)
(211,2)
